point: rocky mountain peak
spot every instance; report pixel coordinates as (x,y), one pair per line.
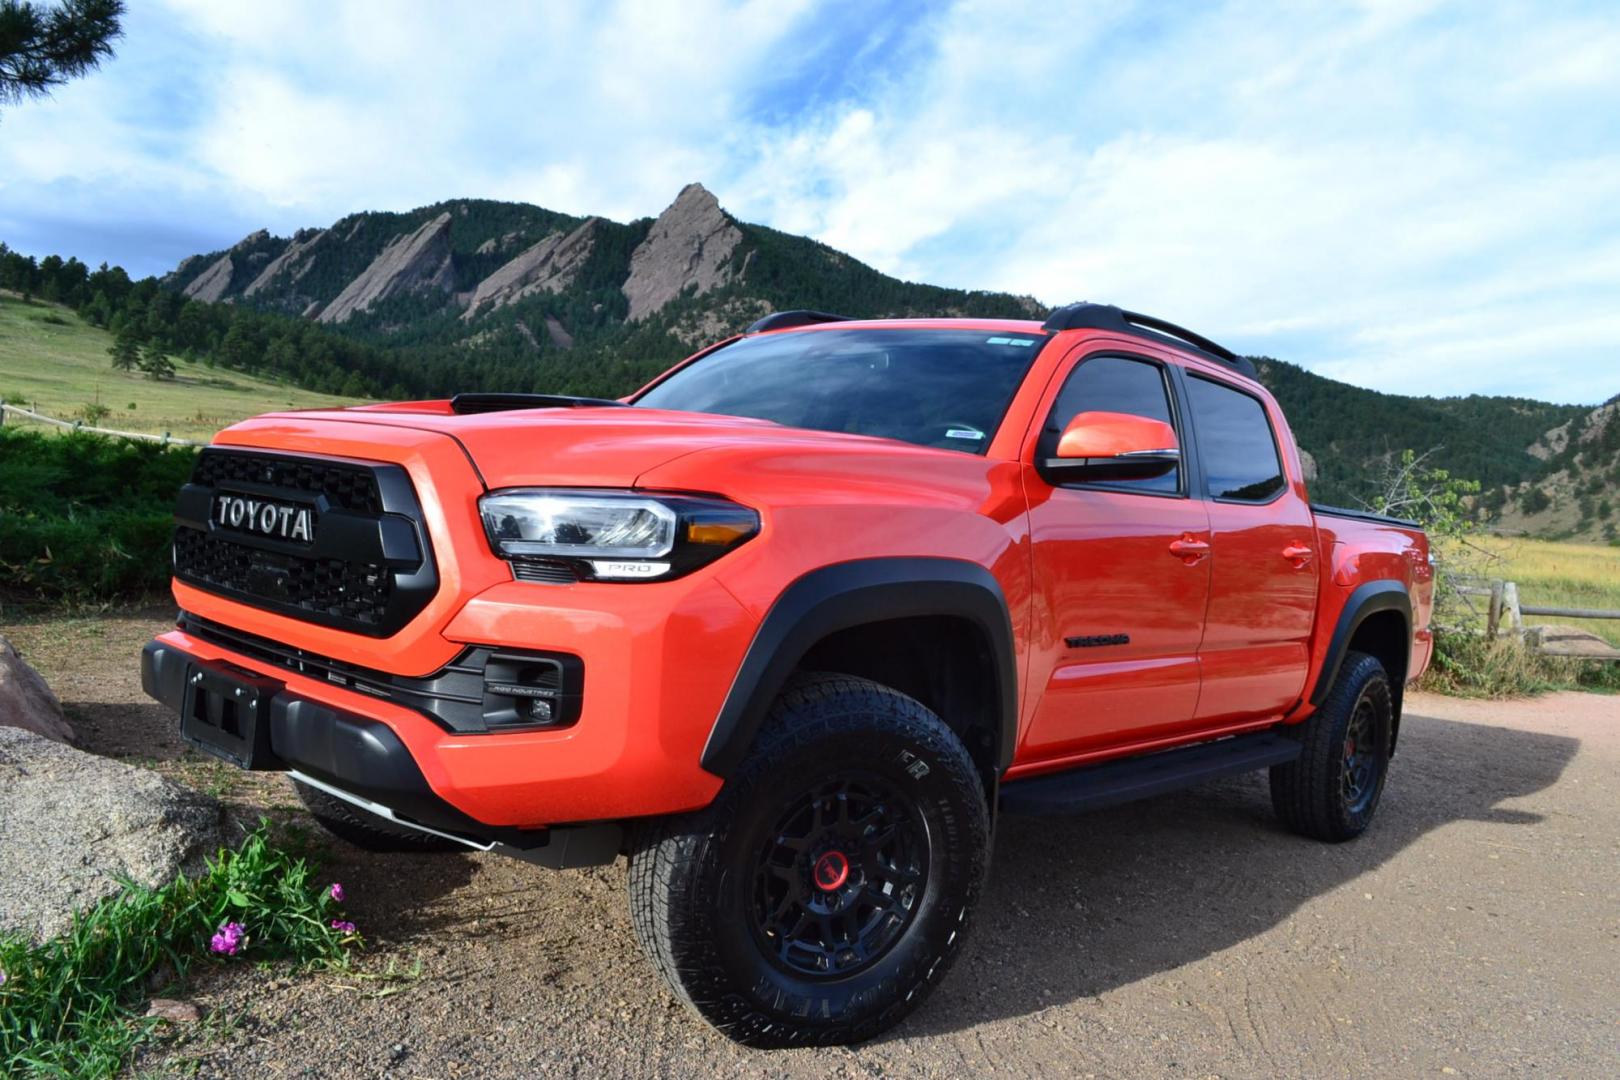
(211,284)
(418,261)
(549,265)
(292,260)
(688,246)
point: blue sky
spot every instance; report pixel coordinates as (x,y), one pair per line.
(1417,197)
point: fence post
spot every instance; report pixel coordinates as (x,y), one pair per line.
(1510,600)
(1493,617)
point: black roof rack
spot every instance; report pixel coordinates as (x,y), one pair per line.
(787,320)
(1087,316)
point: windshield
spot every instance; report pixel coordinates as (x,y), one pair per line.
(943,388)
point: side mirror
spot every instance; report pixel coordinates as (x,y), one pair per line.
(1103,446)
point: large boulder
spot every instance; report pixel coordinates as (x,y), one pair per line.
(74,824)
(25,701)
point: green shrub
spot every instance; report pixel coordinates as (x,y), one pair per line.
(1470,665)
(69,1007)
(85,518)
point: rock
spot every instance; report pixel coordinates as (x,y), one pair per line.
(175,1012)
(547,266)
(75,824)
(290,260)
(174,275)
(210,285)
(689,246)
(559,335)
(413,262)
(26,702)
(1307,465)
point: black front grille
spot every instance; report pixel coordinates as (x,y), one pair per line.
(368,567)
(350,487)
(346,591)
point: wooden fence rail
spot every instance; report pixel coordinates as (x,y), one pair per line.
(79,425)
(1506,613)
(1570,612)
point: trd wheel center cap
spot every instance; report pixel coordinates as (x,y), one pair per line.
(831,871)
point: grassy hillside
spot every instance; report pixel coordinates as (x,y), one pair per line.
(52,357)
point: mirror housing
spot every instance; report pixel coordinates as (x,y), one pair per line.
(1104,446)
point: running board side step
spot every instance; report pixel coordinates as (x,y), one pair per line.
(1127,779)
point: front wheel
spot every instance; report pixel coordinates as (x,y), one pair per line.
(828,887)
(1331,790)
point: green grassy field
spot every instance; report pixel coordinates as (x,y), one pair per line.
(49,356)
(1560,574)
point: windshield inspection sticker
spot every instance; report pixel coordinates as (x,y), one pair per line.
(964,433)
(1022,343)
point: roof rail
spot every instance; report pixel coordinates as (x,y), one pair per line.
(787,320)
(1088,316)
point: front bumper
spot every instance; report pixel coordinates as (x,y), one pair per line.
(363,760)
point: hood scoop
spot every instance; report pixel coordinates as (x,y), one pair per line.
(469,404)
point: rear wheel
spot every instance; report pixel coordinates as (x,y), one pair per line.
(827,888)
(365,830)
(1332,789)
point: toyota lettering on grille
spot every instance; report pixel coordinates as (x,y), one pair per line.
(283,521)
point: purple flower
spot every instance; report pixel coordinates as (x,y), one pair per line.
(337,891)
(229,939)
(343,926)
(3,976)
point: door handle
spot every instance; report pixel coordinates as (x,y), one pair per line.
(1298,554)
(1189,549)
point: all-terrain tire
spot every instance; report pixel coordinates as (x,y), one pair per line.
(900,814)
(365,830)
(1331,791)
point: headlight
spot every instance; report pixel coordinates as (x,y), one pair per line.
(610,535)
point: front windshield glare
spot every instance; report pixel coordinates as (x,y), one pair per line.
(944,388)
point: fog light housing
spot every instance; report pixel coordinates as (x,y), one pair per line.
(526,691)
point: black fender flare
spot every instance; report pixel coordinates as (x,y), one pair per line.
(849,594)
(1369,598)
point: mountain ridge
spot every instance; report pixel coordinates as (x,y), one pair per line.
(471,294)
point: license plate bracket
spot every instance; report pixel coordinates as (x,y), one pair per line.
(226,713)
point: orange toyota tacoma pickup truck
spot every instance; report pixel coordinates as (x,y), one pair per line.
(792,625)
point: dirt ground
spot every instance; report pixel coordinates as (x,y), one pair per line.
(1475,931)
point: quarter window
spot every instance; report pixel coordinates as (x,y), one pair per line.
(1113,384)
(1235,443)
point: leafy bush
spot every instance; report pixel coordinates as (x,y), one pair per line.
(68,1007)
(1471,665)
(84,518)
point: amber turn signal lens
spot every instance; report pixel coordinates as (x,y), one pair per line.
(719,533)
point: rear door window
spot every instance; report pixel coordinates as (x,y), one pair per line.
(1235,443)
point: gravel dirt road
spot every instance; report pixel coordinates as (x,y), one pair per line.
(1475,931)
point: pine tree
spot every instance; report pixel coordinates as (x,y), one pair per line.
(126,351)
(156,363)
(42,47)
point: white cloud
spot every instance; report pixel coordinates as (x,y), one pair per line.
(1420,197)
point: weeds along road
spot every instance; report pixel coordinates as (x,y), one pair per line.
(1474,931)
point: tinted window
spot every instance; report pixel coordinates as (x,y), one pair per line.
(1234,443)
(1113,384)
(944,388)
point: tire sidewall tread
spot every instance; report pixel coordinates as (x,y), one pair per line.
(1306,793)
(684,870)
